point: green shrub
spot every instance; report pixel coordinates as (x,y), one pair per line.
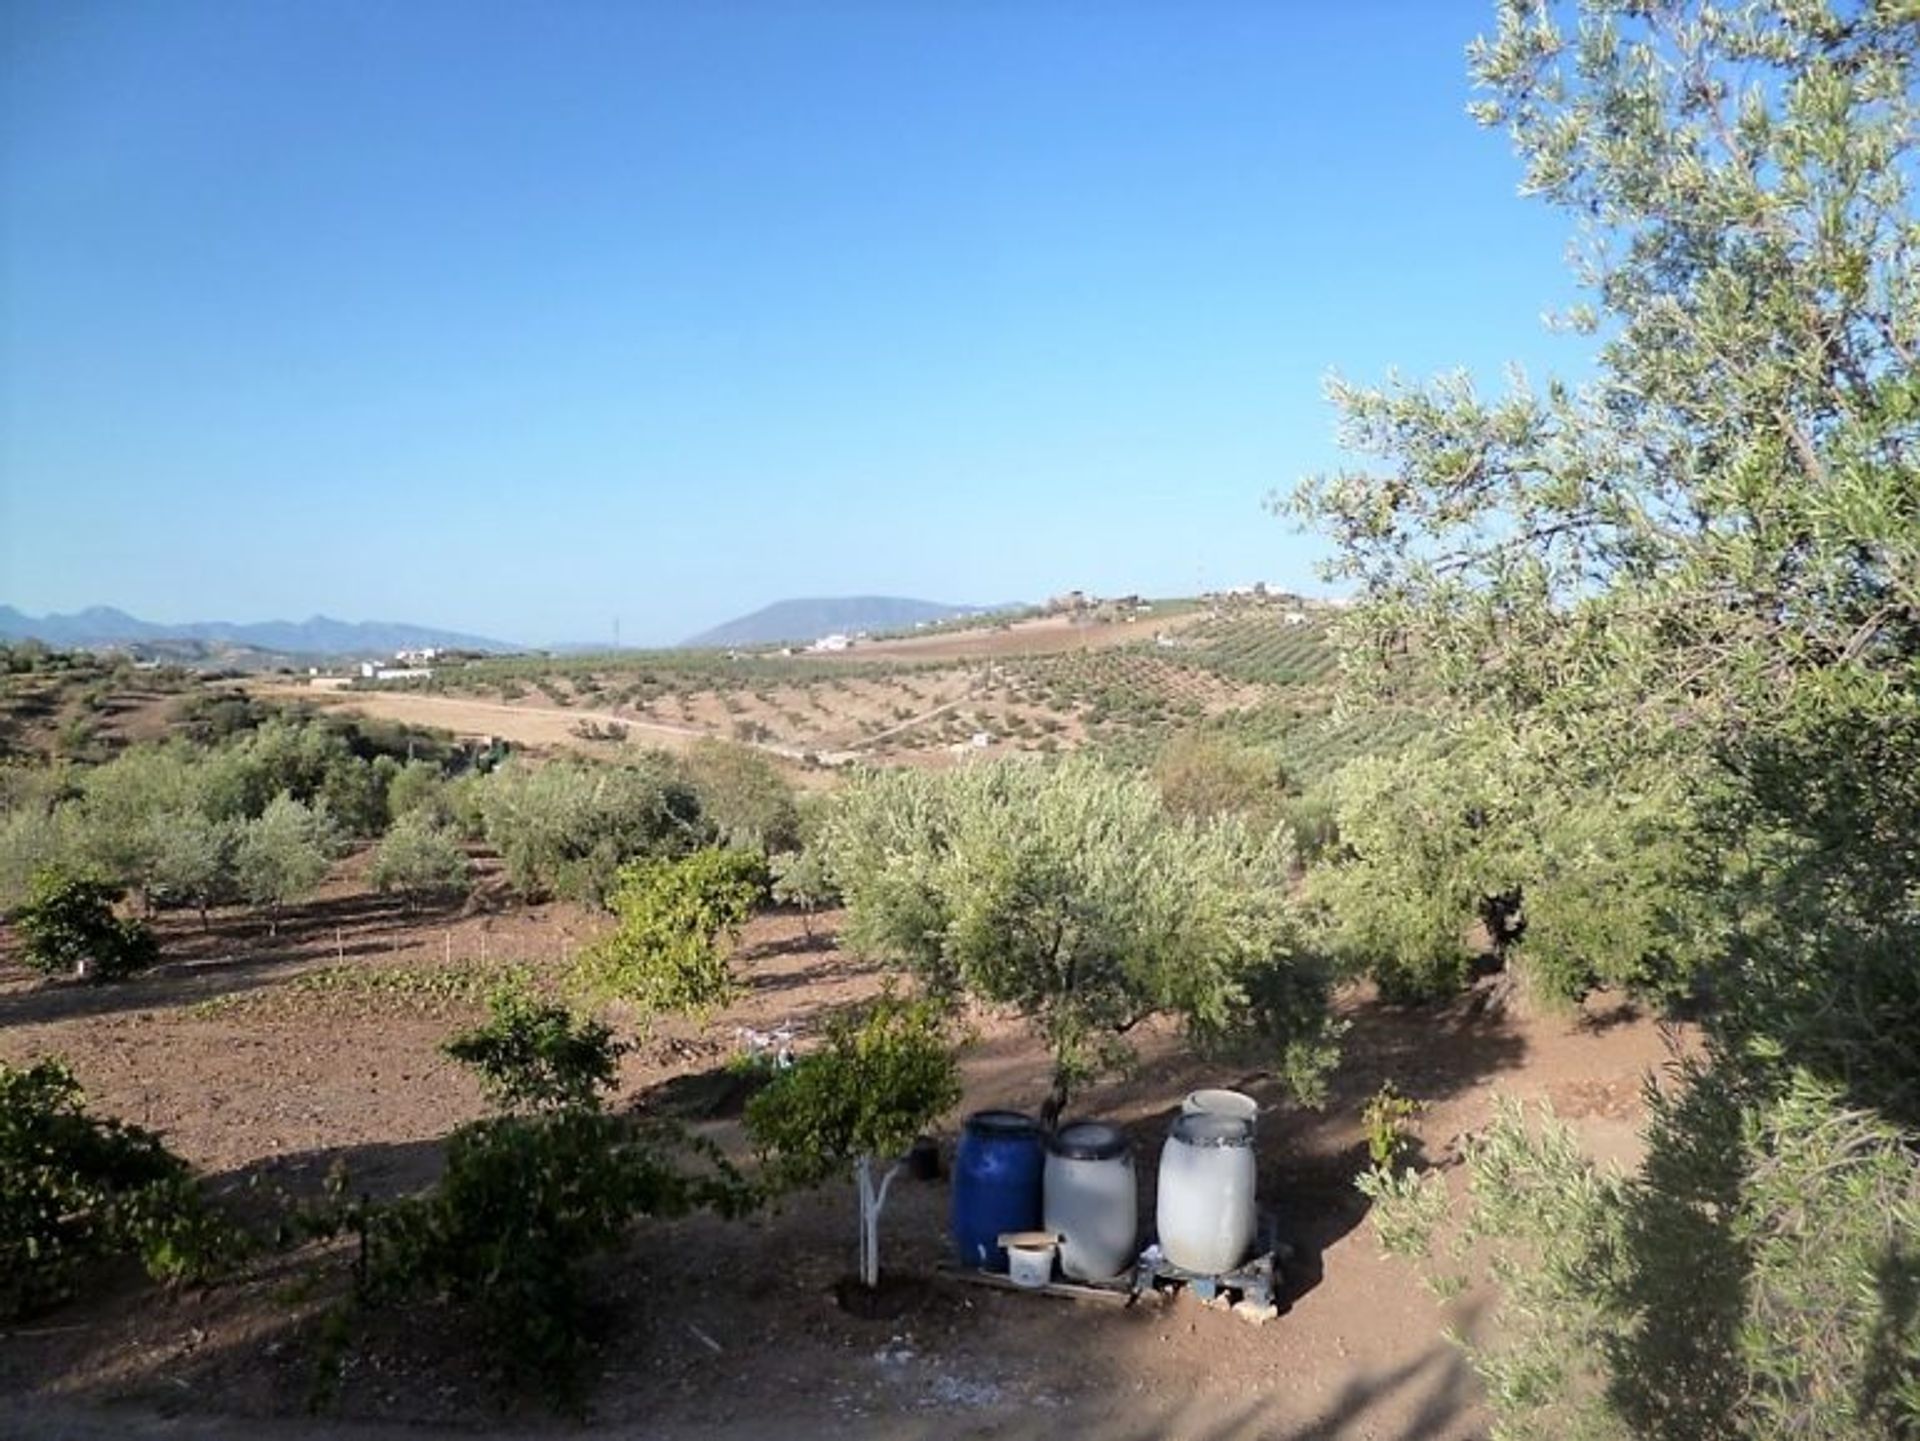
(524,1207)
(75,1188)
(532,1055)
(677,922)
(67,926)
(1386,1118)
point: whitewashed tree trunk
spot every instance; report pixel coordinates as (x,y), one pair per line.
(872,1201)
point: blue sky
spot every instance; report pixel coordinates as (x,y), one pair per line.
(516,318)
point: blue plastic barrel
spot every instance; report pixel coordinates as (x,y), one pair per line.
(996,1185)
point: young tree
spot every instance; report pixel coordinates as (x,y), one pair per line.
(283,853)
(878,1080)
(1068,892)
(421,860)
(1702,566)
(193,858)
(801,879)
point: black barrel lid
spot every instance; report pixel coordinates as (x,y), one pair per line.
(1207,1128)
(1002,1123)
(1088,1141)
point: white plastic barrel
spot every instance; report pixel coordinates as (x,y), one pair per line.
(1090,1199)
(1206,1205)
(1218,1102)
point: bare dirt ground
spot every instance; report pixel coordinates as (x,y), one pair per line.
(544,727)
(731,1330)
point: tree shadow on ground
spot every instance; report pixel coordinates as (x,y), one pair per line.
(238,952)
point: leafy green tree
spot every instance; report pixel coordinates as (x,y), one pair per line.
(67,925)
(678,920)
(354,792)
(120,802)
(743,796)
(35,837)
(878,1080)
(566,827)
(193,858)
(1068,892)
(1695,578)
(284,853)
(421,860)
(1705,562)
(526,1201)
(524,1205)
(532,1055)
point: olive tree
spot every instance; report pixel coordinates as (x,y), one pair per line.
(566,827)
(420,859)
(1070,893)
(1701,564)
(283,853)
(743,797)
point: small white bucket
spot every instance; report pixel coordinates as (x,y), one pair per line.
(1030,1257)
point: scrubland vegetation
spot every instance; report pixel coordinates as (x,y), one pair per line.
(1630,702)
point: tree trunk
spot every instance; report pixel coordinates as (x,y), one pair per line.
(1056,1101)
(872,1201)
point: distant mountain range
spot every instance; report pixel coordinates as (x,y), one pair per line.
(319,635)
(791,622)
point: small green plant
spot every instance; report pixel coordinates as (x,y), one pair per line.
(677,919)
(76,1187)
(864,1096)
(533,1055)
(67,926)
(1386,1119)
(1408,1207)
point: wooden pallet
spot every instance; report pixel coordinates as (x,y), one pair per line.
(1116,1293)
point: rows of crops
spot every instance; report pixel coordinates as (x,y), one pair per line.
(1262,648)
(640,677)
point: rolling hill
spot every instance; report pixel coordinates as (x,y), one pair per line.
(799,621)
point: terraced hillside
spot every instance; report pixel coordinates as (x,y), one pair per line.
(1257,671)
